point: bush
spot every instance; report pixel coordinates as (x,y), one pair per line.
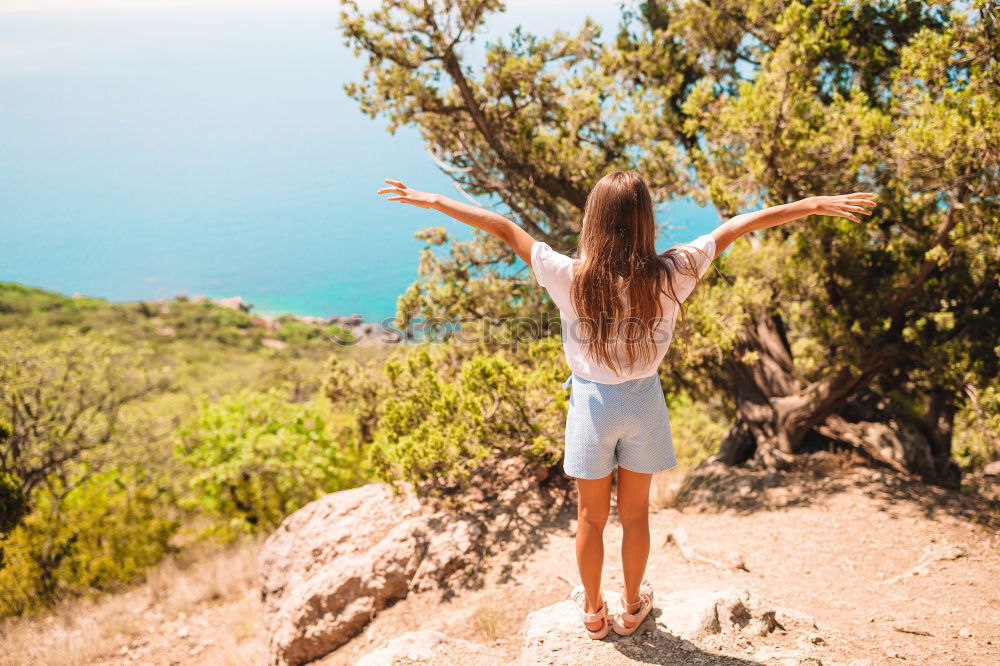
(442,415)
(257,457)
(294,331)
(97,535)
(977,428)
(13,501)
(696,430)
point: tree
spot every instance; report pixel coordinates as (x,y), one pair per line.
(62,405)
(870,335)
(72,458)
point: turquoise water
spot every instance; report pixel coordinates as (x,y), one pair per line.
(150,152)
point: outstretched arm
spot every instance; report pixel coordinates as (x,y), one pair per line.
(474,216)
(841,205)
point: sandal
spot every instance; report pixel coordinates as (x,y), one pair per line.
(645,604)
(579,596)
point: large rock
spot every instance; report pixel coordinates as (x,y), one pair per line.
(694,614)
(336,562)
(554,635)
(430,647)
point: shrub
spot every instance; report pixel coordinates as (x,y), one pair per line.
(444,415)
(256,457)
(696,430)
(96,535)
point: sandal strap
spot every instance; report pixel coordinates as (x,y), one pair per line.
(643,600)
(591,617)
(594,617)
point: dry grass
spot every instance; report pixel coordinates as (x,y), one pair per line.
(80,631)
(176,586)
(489,619)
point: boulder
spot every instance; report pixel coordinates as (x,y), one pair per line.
(331,566)
(694,614)
(554,635)
(429,647)
(233,303)
(690,614)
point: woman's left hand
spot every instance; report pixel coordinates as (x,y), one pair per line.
(404,194)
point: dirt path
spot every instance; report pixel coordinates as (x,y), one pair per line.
(823,549)
(835,548)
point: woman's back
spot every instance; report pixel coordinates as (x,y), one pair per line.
(555,272)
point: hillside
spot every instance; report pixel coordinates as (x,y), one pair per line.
(95,398)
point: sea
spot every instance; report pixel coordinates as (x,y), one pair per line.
(156,148)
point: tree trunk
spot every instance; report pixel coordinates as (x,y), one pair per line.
(776,412)
(756,430)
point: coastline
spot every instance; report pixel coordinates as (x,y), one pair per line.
(354,324)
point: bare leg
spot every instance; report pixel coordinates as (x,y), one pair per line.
(633,511)
(592,516)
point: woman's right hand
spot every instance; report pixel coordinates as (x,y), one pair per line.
(407,196)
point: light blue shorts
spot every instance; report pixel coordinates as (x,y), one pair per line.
(617,424)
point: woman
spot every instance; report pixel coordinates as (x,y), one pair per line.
(618,302)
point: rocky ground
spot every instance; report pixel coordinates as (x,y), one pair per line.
(865,567)
(818,566)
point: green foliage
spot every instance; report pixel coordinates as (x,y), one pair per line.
(435,414)
(296,332)
(18,299)
(102,532)
(89,487)
(13,503)
(65,402)
(737,104)
(977,428)
(256,457)
(73,517)
(696,430)
(189,328)
(449,417)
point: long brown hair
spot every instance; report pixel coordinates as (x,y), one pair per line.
(617,285)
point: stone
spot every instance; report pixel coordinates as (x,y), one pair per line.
(331,566)
(233,303)
(416,647)
(788,618)
(694,614)
(335,563)
(689,614)
(555,626)
(449,540)
(555,634)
